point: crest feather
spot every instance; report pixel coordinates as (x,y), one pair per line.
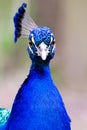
(23,23)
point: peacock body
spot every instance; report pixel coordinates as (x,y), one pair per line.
(38,104)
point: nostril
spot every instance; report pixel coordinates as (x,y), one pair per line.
(39,48)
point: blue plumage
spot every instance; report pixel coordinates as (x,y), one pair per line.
(41,34)
(38,104)
(18,20)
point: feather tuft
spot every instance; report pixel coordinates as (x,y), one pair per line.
(23,23)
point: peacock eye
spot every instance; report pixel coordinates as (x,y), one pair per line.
(31,43)
(53,42)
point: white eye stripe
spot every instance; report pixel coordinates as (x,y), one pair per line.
(34,42)
(54,47)
(32,39)
(30,49)
(51,38)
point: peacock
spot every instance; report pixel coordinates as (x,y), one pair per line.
(38,104)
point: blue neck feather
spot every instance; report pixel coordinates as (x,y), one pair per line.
(38,104)
(41,69)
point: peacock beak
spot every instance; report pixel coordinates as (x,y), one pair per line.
(43,55)
(43,51)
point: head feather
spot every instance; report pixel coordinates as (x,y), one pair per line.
(23,23)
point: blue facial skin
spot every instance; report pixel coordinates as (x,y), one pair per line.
(41,34)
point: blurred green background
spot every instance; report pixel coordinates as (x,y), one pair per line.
(68,20)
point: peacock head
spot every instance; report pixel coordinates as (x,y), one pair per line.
(41,45)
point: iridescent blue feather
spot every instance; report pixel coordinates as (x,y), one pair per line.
(4,115)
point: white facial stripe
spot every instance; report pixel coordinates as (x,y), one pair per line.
(32,39)
(34,42)
(54,47)
(51,38)
(30,49)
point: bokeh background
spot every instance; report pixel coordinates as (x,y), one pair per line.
(68,20)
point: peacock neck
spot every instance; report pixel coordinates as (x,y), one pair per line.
(40,69)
